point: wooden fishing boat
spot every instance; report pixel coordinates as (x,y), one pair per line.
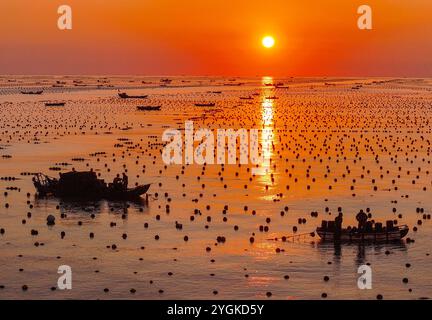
(205,104)
(129,194)
(148,108)
(233,84)
(396,233)
(124,95)
(32,92)
(55,104)
(84,185)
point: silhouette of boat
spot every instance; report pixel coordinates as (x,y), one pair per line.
(124,95)
(205,104)
(55,104)
(148,108)
(84,185)
(233,84)
(32,92)
(396,233)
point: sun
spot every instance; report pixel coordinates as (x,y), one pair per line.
(268,41)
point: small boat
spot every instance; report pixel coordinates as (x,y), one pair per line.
(395,233)
(85,185)
(148,108)
(246,98)
(212,104)
(233,84)
(32,92)
(272,98)
(128,194)
(124,95)
(55,104)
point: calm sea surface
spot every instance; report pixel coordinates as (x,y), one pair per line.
(348,143)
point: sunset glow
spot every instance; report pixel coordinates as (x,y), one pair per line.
(159,37)
(224,154)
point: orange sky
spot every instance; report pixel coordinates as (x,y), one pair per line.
(217,37)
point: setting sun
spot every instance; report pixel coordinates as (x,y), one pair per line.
(268,42)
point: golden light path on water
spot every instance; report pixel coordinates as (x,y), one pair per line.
(265,172)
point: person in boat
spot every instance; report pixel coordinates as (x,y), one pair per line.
(338,226)
(362,219)
(125,181)
(117,182)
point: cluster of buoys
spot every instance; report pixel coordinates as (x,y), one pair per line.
(326,149)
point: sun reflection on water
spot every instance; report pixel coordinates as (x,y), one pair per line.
(267,136)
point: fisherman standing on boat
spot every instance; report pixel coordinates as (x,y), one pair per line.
(125,181)
(362,219)
(338,226)
(117,183)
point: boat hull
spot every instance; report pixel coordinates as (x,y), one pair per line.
(129,194)
(346,236)
(148,108)
(126,96)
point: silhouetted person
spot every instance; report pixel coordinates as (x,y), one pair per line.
(362,219)
(125,180)
(338,226)
(117,182)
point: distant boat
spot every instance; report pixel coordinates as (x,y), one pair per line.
(124,95)
(148,108)
(246,98)
(377,235)
(166,80)
(233,84)
(55,104)
(272,98)
(32,92)
(205,104)
(281,85)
